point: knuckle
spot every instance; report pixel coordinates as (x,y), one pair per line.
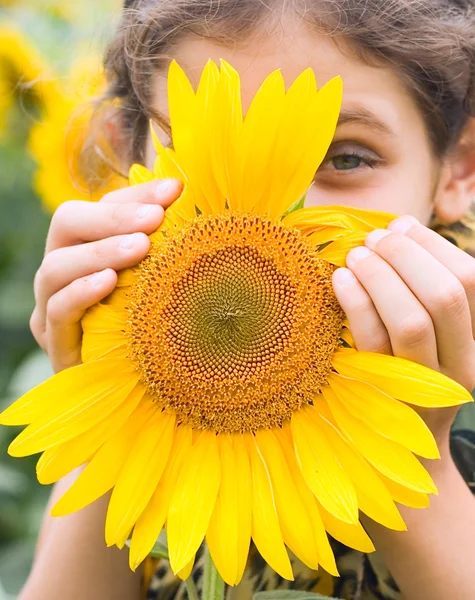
(64,212)
(467,279)
(55,310)
(452,298)
(415,329)
(379,341)
(48,269)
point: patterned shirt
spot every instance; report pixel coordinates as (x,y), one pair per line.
(362,576)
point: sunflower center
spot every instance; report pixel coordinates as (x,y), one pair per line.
(233,322)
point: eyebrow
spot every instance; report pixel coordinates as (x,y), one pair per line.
(361,116)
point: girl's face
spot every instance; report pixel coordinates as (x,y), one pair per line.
(380,158)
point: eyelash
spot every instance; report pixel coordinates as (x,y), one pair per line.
(368,159)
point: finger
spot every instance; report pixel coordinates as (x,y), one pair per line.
(136,208)
(367,329)
(408,323)
(461,264)
(65,311)
(77,222)
(163,191)
(62,266)
(436,288)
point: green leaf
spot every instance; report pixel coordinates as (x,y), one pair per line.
(160,549)
(213,584)
(290,595)
(298,205)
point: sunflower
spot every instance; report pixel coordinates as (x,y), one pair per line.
(220,395)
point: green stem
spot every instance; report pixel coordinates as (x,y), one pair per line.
(191,589)
(213,585)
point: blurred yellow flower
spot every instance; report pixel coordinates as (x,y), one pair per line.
(65,111)
(56,140)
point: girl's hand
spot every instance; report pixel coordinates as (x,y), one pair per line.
(87,243)
(411,293)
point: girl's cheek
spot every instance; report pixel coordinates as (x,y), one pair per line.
(382,189)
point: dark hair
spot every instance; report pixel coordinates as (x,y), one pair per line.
(431,43)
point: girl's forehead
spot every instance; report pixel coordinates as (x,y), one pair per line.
(376,89)
(292,49)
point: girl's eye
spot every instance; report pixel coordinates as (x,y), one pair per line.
(346,162)
(350,158)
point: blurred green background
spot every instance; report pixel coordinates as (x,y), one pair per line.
(40,81)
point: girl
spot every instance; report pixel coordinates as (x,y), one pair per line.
(403,144)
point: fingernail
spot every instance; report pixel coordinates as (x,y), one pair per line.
(98,278)
(164,186)
(129,241)
(375,236)
(343,277)
(358,254)
(147,210)
(403,224)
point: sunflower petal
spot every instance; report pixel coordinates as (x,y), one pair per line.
(313,218)
(386,416)
(244,477)
(353,536)
(58,461)
(336,252)
(266,531)
(404,495)
(78,410)
(223,531)
(139,476)
(139,174)
(402,379)
(102,472)
(151,521)
(322,472)
(325,556)
(193,500)
(296,527)
(373,496)
(65,384)
(256,144)
(388,457)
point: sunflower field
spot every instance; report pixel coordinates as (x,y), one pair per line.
(41,81)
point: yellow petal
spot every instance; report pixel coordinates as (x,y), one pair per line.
(103,333)
(266,531)
(223,531)
(44,397)
(309,123)
(58,461)
(388,457)
(325,556)
(322,472)
(309,219)
(374,498)
(126,278)
(139,476)
(211,200)
(151,521)
(295,524)
(227,128)
(77,410)
(401,378)
(256,145)
(139,174)
(244,477)
(353,536)
(385,415)
(181,105)
(193,500)
(186,571)
(102,472)
(405,496)
(336,252)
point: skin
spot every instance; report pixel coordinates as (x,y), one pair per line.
(406,292)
